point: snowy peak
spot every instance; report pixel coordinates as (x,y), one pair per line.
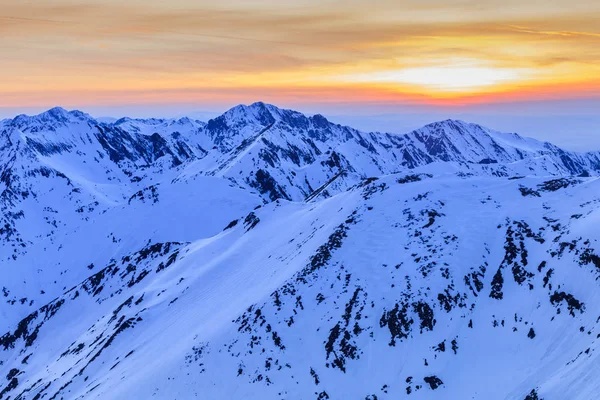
(458,141)
(448,126)
(285,154)
(56,113)
(258,116)
(51,119)
(282,153)
(256,113)
(453,140)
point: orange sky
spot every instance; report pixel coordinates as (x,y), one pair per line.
(111,53)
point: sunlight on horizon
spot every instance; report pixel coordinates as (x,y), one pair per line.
(446,76)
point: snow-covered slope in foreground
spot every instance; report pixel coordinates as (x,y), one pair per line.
(139,264)
(404,286)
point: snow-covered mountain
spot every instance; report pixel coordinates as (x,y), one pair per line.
(269,254)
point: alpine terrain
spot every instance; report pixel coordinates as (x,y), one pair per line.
(266,254)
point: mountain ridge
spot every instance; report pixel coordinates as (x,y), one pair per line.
(282,153)
(258,110)
(61,113)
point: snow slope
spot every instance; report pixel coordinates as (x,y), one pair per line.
(153,258)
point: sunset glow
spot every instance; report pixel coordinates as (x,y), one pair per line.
(448,77)
(111,53)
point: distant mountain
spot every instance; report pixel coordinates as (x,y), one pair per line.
(285,154)
(267,254)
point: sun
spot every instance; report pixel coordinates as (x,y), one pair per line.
(446,77)
(454,78)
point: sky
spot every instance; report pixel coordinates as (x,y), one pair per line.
(400,61)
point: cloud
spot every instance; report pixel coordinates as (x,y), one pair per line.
(181,44)
(567,34)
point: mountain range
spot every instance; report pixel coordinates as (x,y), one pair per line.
(266,254)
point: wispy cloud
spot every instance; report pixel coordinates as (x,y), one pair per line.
(281,47)
(570,34)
